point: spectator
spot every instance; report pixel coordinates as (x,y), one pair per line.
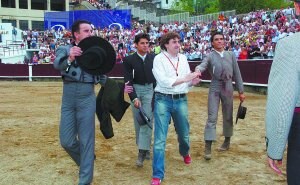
(237,51)
(35,59)
(14,34)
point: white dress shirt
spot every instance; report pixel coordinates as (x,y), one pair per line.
(165,73)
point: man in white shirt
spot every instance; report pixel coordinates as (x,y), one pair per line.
(174,78)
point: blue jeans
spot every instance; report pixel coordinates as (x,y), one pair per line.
(164,108)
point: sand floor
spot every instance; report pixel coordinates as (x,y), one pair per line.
(31,154)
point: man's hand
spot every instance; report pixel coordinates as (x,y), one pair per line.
(198,70)
(242,97)
(74,52)
(273,165)
(192,76)
(137,103)
(128,88)
(196,81)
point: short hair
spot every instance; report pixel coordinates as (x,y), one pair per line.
(76,26)
(166,38)
(213,34)
(140,36)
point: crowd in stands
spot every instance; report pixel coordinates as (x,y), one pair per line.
(45,42)
(99,4)
(250,36)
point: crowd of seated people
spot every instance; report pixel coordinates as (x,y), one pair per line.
(251,36)
(45,42)
(99,4)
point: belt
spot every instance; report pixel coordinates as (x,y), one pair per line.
(70,81)
(172,96)
(143,83)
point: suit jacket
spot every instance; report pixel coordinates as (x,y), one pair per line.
(223,68)
(137,71)
(73,72)
(283,94)
(61,59)
(110,101)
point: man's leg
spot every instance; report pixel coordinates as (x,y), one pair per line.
(162,115)
(86,106)
(227,111)
(210,128)
(144,132)
(182,127)
(213,108)
(68,126)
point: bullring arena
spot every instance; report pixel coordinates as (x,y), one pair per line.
(31,154)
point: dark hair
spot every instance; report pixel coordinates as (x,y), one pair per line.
(166,38)
(76,26)
(140,36)
(213,34)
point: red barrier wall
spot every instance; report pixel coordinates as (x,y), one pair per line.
(253,71)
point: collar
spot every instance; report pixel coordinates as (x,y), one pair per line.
(170,56)
(142,57)
(220,53)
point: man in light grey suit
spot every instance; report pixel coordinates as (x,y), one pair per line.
(283,108)
(77,124)
(223,68)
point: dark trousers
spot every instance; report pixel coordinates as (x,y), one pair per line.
(293,152)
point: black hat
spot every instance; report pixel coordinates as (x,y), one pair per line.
(241,113)
(143,119)
(98,56)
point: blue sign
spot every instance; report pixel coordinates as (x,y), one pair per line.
(99,18)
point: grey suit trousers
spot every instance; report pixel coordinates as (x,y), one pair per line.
(77,126)
(219,91)
(143,133)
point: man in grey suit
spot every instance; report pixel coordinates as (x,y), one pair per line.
(77,124)
(283,108)
(138,74)
(223,68)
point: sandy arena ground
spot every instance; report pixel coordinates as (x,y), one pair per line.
(30,152)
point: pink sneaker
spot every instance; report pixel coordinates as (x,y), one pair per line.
(187,159)
(155,181)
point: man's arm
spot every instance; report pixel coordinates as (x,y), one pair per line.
(61,59)
(283,91)
(188,78)
(203,66)
(238,78)
(162,78)
(283,87)
(128,79)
